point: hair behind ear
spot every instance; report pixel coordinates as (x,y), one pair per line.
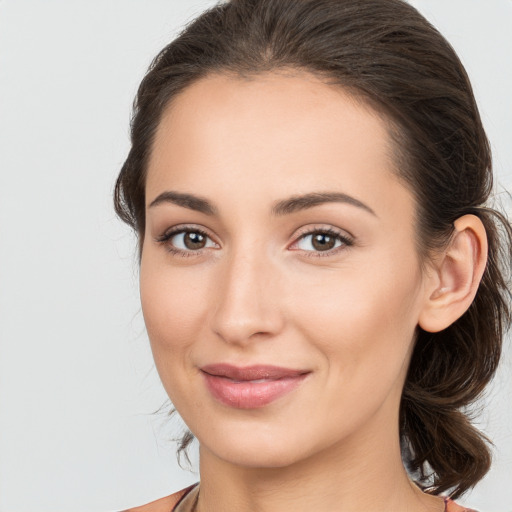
(448,372)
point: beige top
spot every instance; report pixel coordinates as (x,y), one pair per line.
(188,503)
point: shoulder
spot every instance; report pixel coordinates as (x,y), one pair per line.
(451,506)
(165,504)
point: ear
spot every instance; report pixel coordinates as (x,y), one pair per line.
(456,275)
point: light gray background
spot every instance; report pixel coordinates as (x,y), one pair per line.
(77,383)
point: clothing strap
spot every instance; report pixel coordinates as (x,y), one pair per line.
(187,499)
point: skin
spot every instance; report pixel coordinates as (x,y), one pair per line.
(259,291)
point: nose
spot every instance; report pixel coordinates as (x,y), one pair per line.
(246,300)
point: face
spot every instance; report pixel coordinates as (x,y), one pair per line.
(280,283)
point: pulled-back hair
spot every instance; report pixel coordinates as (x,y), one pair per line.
(385,53)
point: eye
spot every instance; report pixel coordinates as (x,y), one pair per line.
(322,241)
(183,240)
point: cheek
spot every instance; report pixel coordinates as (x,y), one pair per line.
(174,313)
(362,319)
(362,326)
(174,310)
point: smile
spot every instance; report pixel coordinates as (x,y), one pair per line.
(250,387)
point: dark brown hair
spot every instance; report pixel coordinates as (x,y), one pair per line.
(386,53)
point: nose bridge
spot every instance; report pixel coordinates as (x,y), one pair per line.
(246,296)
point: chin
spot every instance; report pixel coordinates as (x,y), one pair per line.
(259,457)
(253,448)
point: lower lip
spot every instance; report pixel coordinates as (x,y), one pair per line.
(250,394)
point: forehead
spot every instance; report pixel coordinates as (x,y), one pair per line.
(274,133)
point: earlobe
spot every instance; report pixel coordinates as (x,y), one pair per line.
(456,275)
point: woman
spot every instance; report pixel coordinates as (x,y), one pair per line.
(323,285)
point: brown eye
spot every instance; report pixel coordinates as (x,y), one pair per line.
(188,240)
(323,241)
(194,240)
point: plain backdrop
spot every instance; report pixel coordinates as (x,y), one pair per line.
(77,384)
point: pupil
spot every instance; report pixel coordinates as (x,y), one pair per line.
(194,240)
(323,242)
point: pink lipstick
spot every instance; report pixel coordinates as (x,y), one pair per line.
(250,387)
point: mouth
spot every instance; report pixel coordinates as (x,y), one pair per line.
(250,387)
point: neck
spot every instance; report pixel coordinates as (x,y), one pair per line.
(349,476)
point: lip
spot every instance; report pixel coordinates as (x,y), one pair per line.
(250,387)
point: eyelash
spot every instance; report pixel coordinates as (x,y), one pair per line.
(346,241)
(164,239)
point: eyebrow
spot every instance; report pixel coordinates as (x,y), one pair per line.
(284,207)
(303,202)
(189,201)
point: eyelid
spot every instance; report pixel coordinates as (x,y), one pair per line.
(346,238)
(183,228)
(324,228)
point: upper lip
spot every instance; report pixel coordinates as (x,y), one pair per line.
(255,372)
